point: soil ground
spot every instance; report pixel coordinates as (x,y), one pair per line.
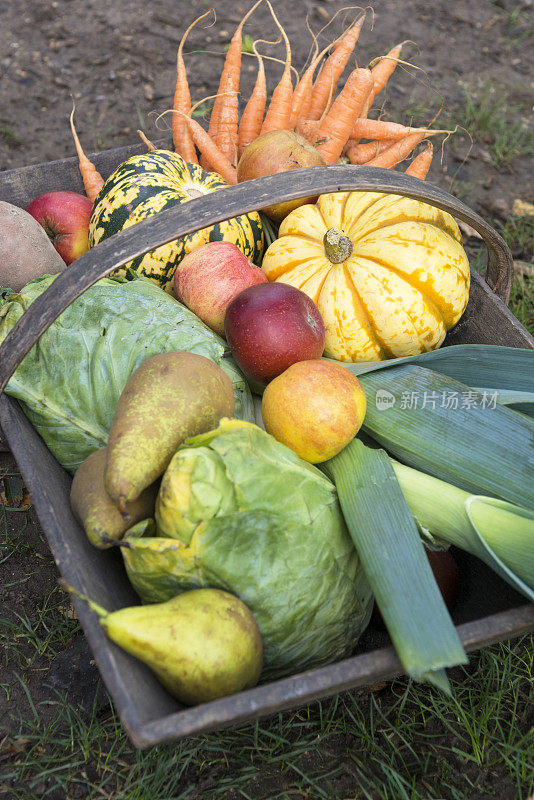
(117,59)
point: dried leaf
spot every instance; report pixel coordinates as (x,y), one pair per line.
(69,610)
(468,231)
(523,209)
(524,268)
(14,746)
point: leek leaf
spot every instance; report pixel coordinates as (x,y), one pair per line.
(489,365)
(394,561)
(440,426)
(507,397)
(518,401)
(514,541)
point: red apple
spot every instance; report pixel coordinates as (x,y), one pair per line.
(65,217)
(209,278)
(271,326)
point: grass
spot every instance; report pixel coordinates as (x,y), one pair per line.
(518,232)
(402,742)
(522,301)
(246,44)
(8,136)
(492,120)
(518,27)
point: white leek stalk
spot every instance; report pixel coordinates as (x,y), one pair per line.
(499,533)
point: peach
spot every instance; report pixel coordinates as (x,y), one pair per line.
(315,407)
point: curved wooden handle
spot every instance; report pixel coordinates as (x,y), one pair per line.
(219,206)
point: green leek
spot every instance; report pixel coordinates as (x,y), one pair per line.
(499,533)
(393,557)
(495,366)
(443,427)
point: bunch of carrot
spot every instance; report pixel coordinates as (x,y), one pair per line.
(334,124)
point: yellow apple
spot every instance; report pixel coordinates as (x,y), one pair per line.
(315,407)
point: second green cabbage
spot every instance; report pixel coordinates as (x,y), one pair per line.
(241,512)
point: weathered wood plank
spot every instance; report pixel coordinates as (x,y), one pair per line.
(20,186)
(487,320)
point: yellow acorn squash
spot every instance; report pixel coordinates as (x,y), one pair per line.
(388,273)
(151,182)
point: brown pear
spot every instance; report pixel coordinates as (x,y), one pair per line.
(96,511)
(170,397)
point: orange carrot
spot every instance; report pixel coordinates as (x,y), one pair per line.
(302,93)
(302,96)
(421,163)
(346,108)
(226,139)
(92,179)
(397,151)
(181,137)
(150,146)
(381,72)
(379,129)
(252,116)
(362,153)
(326,84)
(209,149)
(279,111)
(309,128)
(384,69)
(232,65)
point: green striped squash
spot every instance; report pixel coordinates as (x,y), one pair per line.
(148,183)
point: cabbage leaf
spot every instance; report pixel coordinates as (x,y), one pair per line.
(70,381)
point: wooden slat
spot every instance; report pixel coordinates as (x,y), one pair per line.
(372,667)
(20,186)
(487,320)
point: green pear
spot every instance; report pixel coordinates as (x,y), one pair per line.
(202,644)
(95,510)
(170,397)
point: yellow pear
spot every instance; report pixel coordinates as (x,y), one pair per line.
(202,644)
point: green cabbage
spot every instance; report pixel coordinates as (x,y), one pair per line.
(241,512)
(70,381)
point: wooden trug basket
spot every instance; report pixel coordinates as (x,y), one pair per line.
(487,610)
